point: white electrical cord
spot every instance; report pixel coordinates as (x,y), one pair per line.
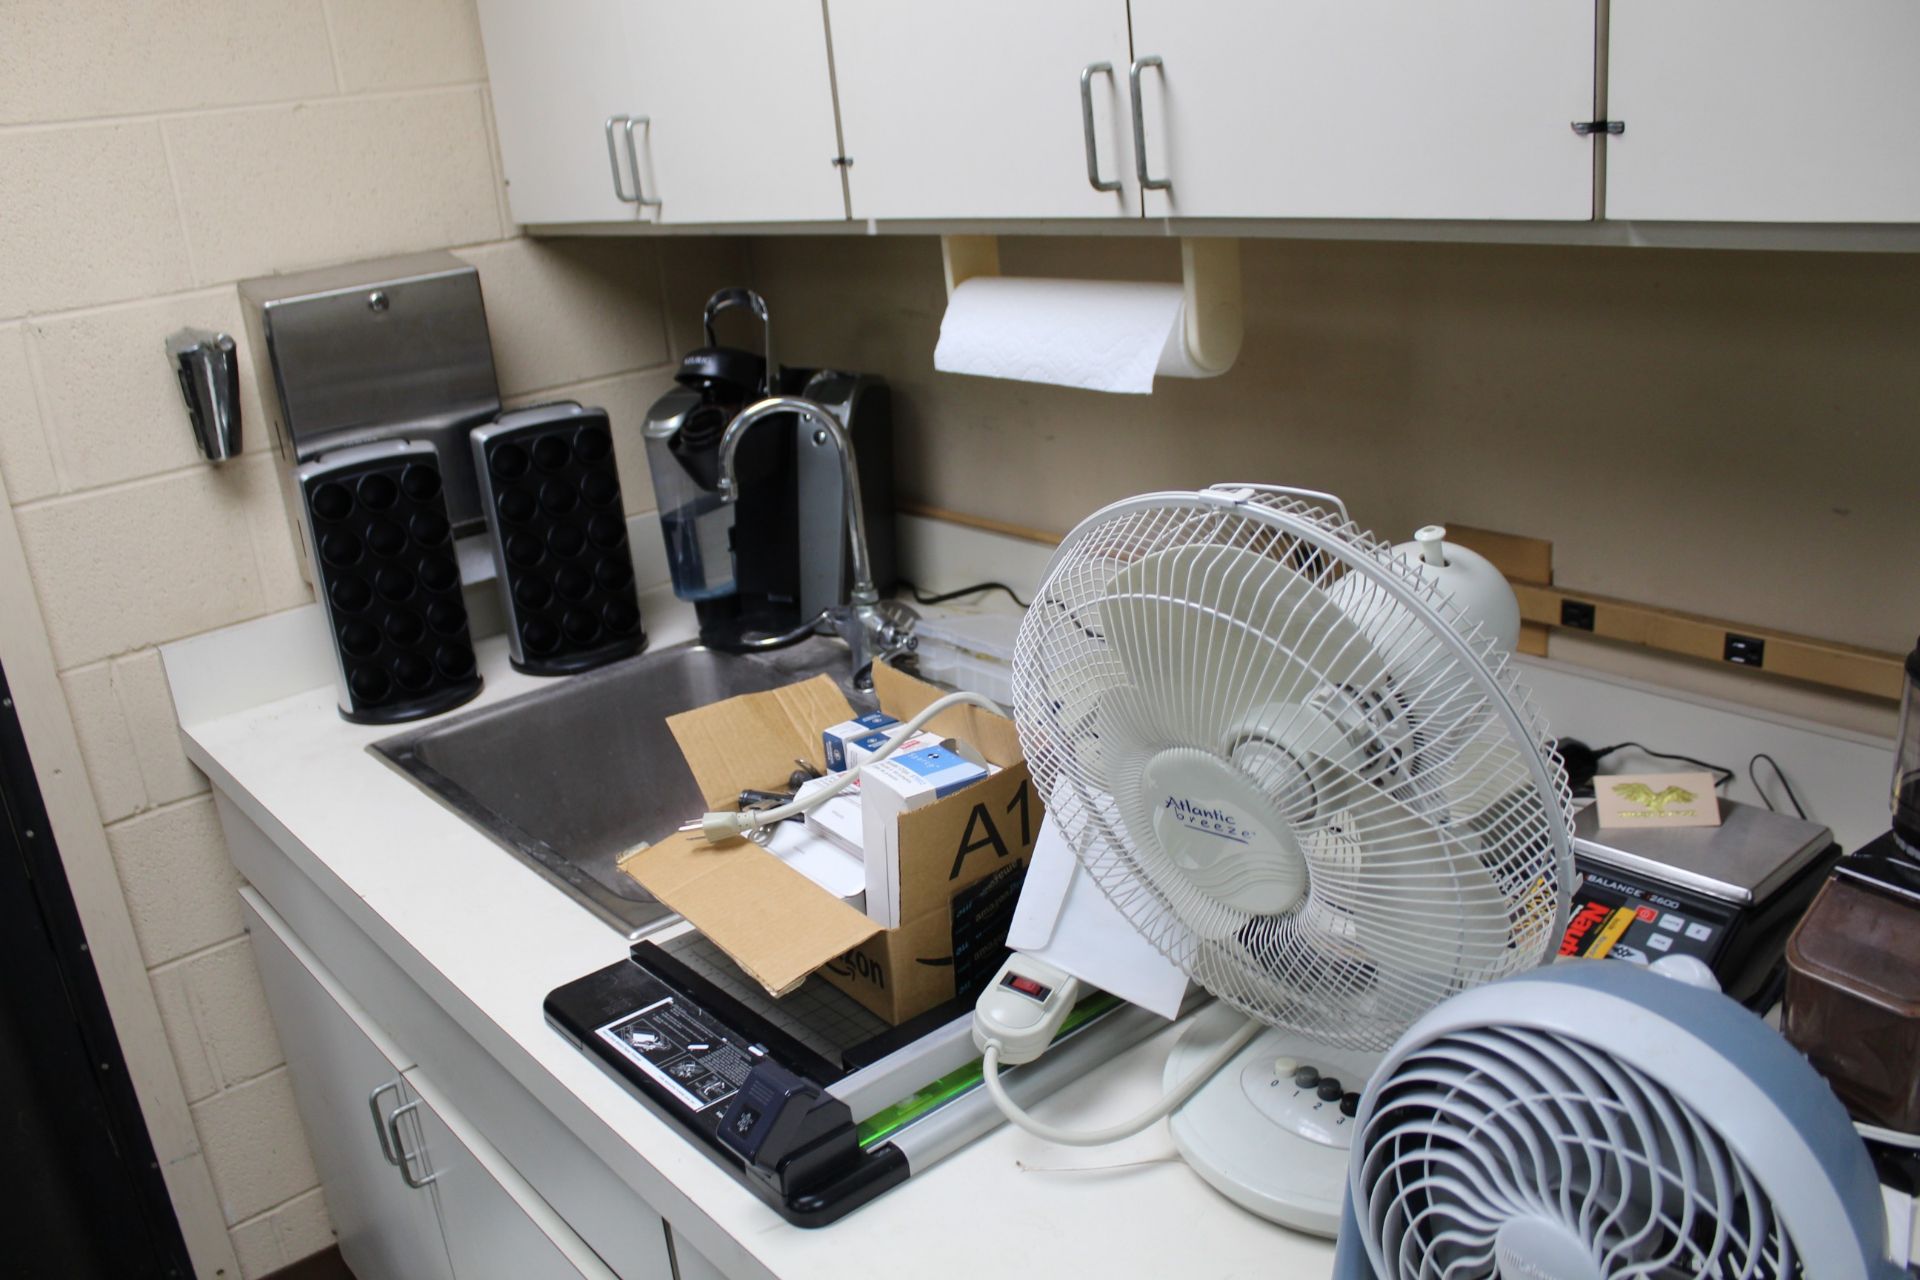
(720,825)
(990,1073)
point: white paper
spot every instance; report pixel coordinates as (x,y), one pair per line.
(1900,1226)
(838,816)
(1065,920)
(1103,335)
(819,860)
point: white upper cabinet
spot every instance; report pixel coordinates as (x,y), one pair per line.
(1454,109)
(978,108)
(818,111)
(737,97)
(1764,110)
(558,71)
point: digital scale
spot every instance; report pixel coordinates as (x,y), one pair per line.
(1727,895)
(811,1101)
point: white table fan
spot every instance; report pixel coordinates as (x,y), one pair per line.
(1300,771)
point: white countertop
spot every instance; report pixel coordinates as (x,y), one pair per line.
(489,937)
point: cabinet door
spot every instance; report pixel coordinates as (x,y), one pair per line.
(976,109)
(338,1059)
(558,71)
(690,1264)
(1764,110)
(1367,108)
(496,1224)
(738,96)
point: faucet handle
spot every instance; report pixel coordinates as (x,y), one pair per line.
(897,622)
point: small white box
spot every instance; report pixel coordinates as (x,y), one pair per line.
(838,818)
(900,784)
(870,728)
(820,860)
(861,750)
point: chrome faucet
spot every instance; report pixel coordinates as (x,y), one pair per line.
(871,630)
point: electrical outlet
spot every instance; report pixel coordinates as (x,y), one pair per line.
(1577,614)
(1745,651)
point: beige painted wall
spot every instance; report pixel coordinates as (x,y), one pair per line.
(1731,433)
(149,157)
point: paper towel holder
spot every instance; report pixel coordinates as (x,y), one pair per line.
(1209,278)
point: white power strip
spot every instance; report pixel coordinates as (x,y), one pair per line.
(1021,1010)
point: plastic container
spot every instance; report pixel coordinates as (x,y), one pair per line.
(970,651)
(1853,1000)
(695,521)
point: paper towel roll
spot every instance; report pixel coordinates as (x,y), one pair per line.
(1104,335)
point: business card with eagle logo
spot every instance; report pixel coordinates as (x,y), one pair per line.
(1656,800)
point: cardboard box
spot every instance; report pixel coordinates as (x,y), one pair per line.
(905,782)
(961,858)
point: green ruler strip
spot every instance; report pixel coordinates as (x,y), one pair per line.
(963,1080)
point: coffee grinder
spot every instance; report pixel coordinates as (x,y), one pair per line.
(1853,965)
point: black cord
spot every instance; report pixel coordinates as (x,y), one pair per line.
(921,597)
(1778,773)
(1723,775)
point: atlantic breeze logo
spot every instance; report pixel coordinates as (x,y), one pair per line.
(1215,822)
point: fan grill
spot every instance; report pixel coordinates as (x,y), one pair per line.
(1479,1129)
(1388,738)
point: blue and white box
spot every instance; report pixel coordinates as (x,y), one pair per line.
(869,731)
(901,783)
(838,817)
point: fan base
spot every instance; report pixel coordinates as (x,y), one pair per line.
(1254,1135)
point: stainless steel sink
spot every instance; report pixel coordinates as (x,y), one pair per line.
(570,777)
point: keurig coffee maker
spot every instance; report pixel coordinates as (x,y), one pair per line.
(761,569)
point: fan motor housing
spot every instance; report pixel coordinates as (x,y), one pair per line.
(1223,832)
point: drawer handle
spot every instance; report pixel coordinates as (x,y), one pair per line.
(613,158)
(1140,123)
(1086,123)
(633,159)
(380,1122)
(405,1162)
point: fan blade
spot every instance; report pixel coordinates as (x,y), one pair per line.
(1206,631)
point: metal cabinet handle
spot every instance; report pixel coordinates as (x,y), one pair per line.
(633,158)
(613,158)
(380,1121)
(1086,123)
(1140,124)
(406,1157)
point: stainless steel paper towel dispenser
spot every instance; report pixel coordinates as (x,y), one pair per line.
(395,349)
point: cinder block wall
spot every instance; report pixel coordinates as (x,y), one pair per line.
(150,156)
(1719,432)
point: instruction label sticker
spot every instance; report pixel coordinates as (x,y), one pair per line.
(696,1064)
(1656,800)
